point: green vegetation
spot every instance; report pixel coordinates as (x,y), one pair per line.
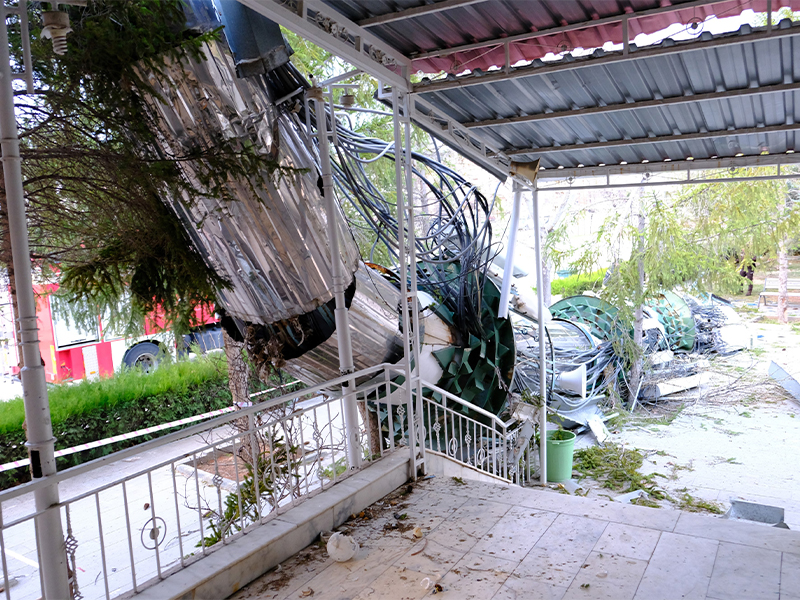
(577,284)
(617,468)
(91,411)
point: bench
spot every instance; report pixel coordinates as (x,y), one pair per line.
(771,291)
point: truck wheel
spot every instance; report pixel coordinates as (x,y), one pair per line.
(144,356)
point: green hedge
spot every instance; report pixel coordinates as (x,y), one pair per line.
(577,284)
(129,401)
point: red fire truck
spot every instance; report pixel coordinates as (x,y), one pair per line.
(71,352)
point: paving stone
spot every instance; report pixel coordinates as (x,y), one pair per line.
(607,577)
(628,541)
(680,568)
(476,576)
(515,533)
(745,573)
(790,576)
(518,588)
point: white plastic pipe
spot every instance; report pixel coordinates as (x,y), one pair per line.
(542,353)
(351,423)
(508,270)
(49,535)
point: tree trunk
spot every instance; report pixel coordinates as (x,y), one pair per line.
(636,367)
(6,258)
(783,280)
(238,370)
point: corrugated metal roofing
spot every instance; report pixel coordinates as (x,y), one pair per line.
(641,110)
(469,22)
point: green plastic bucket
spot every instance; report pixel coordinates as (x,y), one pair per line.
(559,456)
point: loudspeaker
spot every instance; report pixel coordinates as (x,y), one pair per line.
(573,381)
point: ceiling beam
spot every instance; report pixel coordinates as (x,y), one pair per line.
(549,150)
(675,166)
(613,108)
(523,37)
(416,11)
(610,58)
(486,155)
(331,30)
(648,183)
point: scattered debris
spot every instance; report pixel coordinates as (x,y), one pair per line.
(418,532)
(786,381)
(458,481)
(760,513)
(630,496)
(342,548)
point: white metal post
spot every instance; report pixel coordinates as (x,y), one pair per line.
(508,269)
(49,535)
(403,273)
(412,259)
(542,353)
(339,284)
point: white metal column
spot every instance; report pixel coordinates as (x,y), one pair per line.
(403,267)
(542,353)
(341,314)
(408,163)
(508,269)
(49,535)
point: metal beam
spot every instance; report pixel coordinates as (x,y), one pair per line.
(331,30)
(458,138)
(611,58)
(676,166)
(612,108)
(521,37)
(700,135)
(416,11)
(612,186)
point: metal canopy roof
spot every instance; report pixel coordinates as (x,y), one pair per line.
(717,99)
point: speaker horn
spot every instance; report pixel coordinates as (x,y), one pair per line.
(573,381)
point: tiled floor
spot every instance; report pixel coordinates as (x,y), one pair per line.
(487,541)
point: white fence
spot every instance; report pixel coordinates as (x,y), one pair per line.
(136,516)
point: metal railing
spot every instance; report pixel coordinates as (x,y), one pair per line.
(474,437)
(136,516)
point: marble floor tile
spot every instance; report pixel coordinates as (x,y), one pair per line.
(464,528)
(394,583)
(628,541)
(518,588)
(476,576)
(738,532)
(680,569)
(607,577)
(429,557)
(515,533)
(745,573)
(790,576)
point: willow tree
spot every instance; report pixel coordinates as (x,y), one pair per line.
(95,175)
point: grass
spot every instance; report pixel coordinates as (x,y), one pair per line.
(68,400)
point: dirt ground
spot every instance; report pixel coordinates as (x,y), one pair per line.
(737,436)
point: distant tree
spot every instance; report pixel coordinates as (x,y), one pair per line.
(95,175)
(685,240)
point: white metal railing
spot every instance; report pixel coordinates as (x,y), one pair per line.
(138,515)
(472,436)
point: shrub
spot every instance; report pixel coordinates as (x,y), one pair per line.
(131,400)
(577,284)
